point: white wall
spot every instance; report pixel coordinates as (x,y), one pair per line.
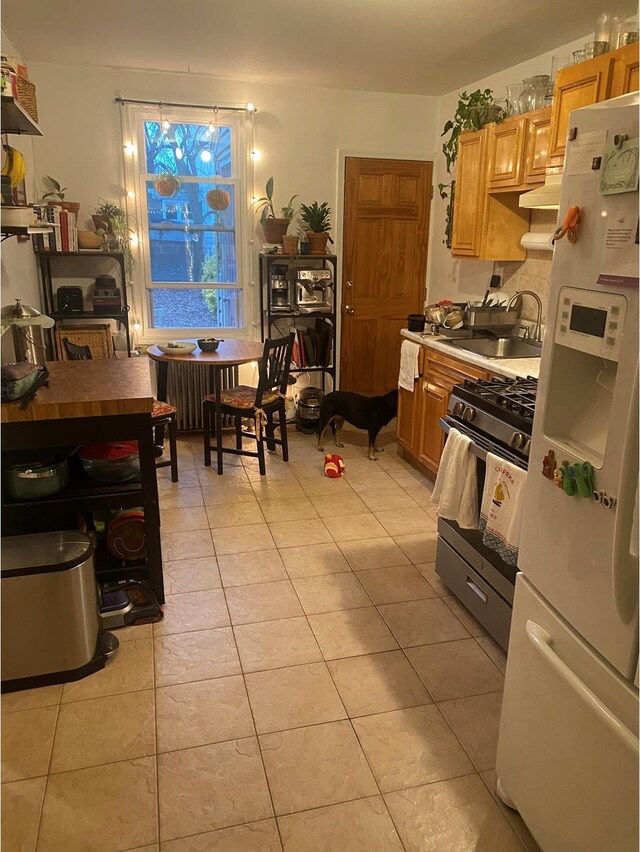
(18,262)
(299,130)
(460,279)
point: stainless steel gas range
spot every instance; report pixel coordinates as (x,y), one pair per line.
(498,417)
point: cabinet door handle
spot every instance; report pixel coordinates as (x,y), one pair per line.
(475,588)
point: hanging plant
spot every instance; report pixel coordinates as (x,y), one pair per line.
(218,199)
(166,185)
(472,113)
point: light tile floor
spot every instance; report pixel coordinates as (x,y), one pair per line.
(314,686)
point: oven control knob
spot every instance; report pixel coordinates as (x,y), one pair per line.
(518,440)
(458,408)
(527,447)
(469,413)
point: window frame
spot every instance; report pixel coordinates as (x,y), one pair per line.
(136,178)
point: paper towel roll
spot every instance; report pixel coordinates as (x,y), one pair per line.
(537,241)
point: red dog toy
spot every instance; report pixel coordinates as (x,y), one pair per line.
(334,467)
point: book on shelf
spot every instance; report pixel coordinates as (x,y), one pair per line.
(63,237)
(312,346)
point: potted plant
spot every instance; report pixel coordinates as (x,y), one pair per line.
(105,213)
(115,225)
(317,219)
(166,184)
(472,113)
(218,199)
(274,227)
(57,191)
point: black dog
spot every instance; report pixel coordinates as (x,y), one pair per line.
(363,412)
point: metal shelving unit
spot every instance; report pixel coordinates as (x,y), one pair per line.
(48,297)
(269,316)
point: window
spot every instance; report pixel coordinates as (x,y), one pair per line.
(190,199)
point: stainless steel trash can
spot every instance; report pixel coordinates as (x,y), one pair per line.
(51,629)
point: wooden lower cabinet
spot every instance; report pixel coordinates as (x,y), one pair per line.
(419,413)
(431,441)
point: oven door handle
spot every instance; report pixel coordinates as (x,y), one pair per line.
(447,424)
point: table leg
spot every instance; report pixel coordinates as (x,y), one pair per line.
(162,371)
(218,390)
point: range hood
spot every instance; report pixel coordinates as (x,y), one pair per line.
(545,197)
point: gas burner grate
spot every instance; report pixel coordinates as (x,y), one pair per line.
(517,396)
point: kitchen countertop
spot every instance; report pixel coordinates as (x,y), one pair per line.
(87,389)
(512,368)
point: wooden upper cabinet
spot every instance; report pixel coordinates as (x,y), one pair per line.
(506,152)
(577,86)
(537,145)
(470,190)
(625,72)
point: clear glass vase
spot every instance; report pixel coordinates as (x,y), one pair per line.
(540,85)
(527,95)
(514,91)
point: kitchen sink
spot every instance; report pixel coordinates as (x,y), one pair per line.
(502,347)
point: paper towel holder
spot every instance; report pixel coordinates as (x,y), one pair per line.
(537,241)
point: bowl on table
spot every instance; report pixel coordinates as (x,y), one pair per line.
(209,344)
(177,347)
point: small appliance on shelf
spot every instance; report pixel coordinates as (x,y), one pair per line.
(314,290)
(106,296)
(70,300)
(280,289)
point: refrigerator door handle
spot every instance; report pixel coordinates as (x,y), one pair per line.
(541,641)
(624,564)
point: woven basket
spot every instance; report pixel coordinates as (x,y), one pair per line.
(96,337)
(27,97)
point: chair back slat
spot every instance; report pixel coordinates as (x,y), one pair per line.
(76,352)
(274,366)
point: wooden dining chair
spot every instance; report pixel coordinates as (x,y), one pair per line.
(162,414)
(76,352)
(259,404)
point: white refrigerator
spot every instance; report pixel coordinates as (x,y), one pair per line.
(568,744)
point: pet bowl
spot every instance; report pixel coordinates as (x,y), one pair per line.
(177,347)
(209,344)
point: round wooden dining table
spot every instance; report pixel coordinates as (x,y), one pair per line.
(230,353)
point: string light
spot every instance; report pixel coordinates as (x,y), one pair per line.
(136,326)
(179,153)
(255,155)
(205,156)
(213,126)
(133,239)
(131,194)
(250,107)
(129,148)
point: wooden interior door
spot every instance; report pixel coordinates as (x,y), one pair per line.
(386,227)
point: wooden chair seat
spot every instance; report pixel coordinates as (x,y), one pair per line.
(242,397)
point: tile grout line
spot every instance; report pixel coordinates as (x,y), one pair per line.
(255,729)
(48,774)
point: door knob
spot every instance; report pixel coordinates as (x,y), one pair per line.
(348,284)
(348,309)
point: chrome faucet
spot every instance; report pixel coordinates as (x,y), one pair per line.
(537,334)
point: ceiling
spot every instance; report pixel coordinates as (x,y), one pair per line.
(424,47)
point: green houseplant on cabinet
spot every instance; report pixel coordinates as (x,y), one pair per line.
(274,227)
(472,113)
(317,219)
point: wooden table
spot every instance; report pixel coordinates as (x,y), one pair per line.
(89,402)
(230,353)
